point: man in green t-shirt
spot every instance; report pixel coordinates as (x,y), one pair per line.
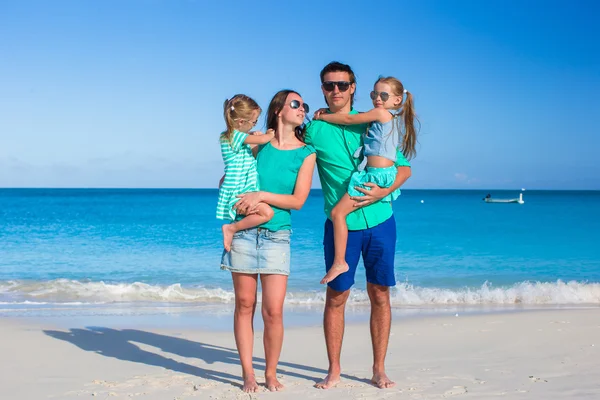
(371,228)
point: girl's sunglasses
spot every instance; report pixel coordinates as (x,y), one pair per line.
(384,95)
(342,85)
(295,104)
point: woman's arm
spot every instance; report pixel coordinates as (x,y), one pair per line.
(376,114)
(294,201)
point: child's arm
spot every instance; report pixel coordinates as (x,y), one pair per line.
(260,139)
(376,114)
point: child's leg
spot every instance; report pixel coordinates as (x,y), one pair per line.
(264,213)
(340,237)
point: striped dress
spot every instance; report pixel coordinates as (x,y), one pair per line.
(240,174)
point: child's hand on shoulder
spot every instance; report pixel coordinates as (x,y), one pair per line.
(255,133)
(271,133)
(319,113)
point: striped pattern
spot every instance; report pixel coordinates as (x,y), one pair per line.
(240,174)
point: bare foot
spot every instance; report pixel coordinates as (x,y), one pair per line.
(329,382)
(228,232)
(250,385)
(382,381)
(335,270)
(273,385)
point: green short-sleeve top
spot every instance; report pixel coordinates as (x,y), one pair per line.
(277,173)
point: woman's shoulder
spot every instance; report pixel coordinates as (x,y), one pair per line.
(307,149)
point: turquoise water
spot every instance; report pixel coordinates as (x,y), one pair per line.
(125,248)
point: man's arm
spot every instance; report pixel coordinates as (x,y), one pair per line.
(377,193)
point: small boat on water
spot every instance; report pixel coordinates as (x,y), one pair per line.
(489,199)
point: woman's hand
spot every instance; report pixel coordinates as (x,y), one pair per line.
(248,202)
(319,112)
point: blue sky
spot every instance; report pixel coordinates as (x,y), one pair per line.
(129,93)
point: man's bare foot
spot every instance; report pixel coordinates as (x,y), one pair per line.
(335,270)
(228,232)
(250,385)
(273,385)
(382,381)
(329,382)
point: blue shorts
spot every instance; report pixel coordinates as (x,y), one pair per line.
(258,251)
(377,246)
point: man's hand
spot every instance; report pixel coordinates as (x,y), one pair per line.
(372,195)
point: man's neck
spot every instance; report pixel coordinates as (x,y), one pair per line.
(343,110)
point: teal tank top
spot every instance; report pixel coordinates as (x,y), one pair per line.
(277,173)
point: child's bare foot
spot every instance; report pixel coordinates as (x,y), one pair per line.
(273,385)
(250,385)
(335,270)
(228,232)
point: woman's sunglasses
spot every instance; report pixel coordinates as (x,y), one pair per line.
(295,104)
(384,95)
(342,85)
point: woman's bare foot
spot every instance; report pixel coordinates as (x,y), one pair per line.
(382,381)
(329,382)
(228,232)
(335,270)
(273,385)
(250,385)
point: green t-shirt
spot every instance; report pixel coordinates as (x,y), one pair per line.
(277,173)
(335,146)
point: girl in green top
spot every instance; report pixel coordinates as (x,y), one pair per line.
(240,113)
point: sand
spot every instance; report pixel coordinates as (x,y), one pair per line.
(543,354)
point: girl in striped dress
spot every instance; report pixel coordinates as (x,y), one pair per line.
(241,114)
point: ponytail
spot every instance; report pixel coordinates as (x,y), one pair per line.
(409,139)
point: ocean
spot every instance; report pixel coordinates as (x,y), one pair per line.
(151,251)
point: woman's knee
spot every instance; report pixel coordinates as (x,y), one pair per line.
(272,315)
(245,304)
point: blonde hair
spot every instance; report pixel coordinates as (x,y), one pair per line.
(238,107)
(406,117)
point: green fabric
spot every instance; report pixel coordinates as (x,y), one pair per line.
(240,174)
(277,173)
(335,146)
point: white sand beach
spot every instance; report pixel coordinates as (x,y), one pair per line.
(545,354)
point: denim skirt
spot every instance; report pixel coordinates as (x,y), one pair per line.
(258,251)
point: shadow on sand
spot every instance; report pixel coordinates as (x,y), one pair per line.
(121,344)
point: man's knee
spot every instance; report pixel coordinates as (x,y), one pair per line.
(379,295)
(336,300)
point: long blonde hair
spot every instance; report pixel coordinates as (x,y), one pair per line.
(405,117)
(238,107)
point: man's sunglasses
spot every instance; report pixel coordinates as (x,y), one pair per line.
(295,104)
(342,85)
(384,95)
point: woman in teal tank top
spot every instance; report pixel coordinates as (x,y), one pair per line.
(285,169)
